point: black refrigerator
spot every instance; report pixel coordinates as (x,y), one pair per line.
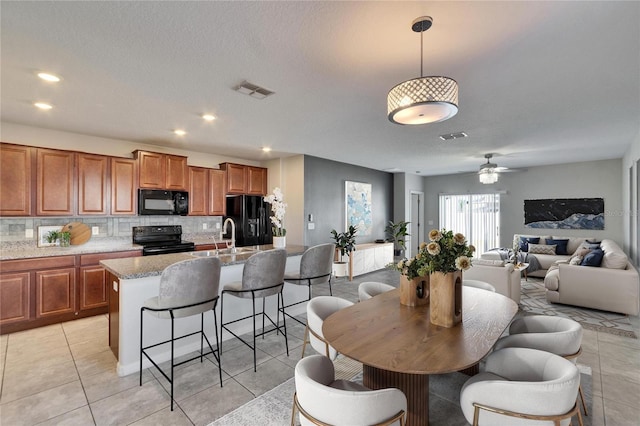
(251,215)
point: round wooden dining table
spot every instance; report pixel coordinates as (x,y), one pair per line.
(399,347)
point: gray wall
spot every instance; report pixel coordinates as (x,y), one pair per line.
(324,183)
(594,179)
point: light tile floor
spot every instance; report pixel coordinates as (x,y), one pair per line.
(66,374)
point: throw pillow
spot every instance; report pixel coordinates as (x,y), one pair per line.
(561,245)
(576,260)
(524,242)
(593,259)
(586,246)
(542,249)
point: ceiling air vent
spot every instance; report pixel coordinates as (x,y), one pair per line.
(451,136)
(253,90)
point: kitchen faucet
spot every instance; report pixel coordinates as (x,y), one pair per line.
(233,232)
(214,243)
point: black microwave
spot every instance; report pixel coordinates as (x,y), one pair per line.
(161,202)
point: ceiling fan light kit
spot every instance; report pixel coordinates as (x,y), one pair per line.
(488,176)
(427,99)
(488,171)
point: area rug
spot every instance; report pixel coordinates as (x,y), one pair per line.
(273,408)
(534,302)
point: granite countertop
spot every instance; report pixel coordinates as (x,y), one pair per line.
(29,249)
(149,266)
(13,250)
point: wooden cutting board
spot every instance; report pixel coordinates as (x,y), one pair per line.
(80,233)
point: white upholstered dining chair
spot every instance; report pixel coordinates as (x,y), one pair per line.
(322,400)
(558,335)
(318,309)
(521,386)
(369,289)
(479,284)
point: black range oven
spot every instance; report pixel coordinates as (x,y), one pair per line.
(161,239)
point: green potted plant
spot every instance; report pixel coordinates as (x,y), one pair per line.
(62,237)
(345,244)
(396,233)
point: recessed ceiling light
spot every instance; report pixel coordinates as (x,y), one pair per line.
(208,117)
(49,77)
(42,105)
(180,132)
(266,149)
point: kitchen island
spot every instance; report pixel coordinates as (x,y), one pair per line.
(134,280)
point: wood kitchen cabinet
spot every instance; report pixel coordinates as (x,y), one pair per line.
(217,193)
(162,171)
(15,298)
(55,183)
(15,180)
(256,180)
(207,195)
(47,290)
(198,191)
(92,184)
(92,282)
(124,184)
(55,291)
(242,179)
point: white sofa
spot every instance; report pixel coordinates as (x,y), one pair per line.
(546,261)
(499,274)
(614,286)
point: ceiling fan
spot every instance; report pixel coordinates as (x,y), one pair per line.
(489,171)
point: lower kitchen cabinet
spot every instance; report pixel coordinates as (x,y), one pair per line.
(55,292)
(93,289)
(15,296)
(48,290)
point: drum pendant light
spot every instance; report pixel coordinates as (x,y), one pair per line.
(425,99)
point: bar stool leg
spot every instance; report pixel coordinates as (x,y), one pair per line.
(253,319)
(215,324)
(141,329)
(172,344)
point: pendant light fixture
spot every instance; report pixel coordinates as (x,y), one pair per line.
(425,99)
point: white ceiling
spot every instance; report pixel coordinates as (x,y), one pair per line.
(540,82)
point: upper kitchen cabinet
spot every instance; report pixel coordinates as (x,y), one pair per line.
(198,191)
(162,171)
(92,184)
(124,184)
(206,192)
(15,180)
(217,193)
(54,182)
(256,180)
(242,179)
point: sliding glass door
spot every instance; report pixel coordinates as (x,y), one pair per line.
(477,216)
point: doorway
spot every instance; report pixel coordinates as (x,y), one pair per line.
(416,227)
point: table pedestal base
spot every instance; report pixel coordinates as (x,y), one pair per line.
(414,386)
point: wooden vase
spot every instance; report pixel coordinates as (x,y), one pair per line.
(414,292)
(446,298)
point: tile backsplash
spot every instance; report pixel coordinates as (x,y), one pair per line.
(15,229)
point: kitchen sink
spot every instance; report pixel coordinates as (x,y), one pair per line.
(222,252)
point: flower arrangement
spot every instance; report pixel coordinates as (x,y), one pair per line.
(278,208)
(445,252)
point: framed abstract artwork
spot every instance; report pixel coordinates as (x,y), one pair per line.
(358,206)
(564,213)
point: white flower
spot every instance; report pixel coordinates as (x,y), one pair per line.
(433,249)
(435,235)
(278,208)
(463,263)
